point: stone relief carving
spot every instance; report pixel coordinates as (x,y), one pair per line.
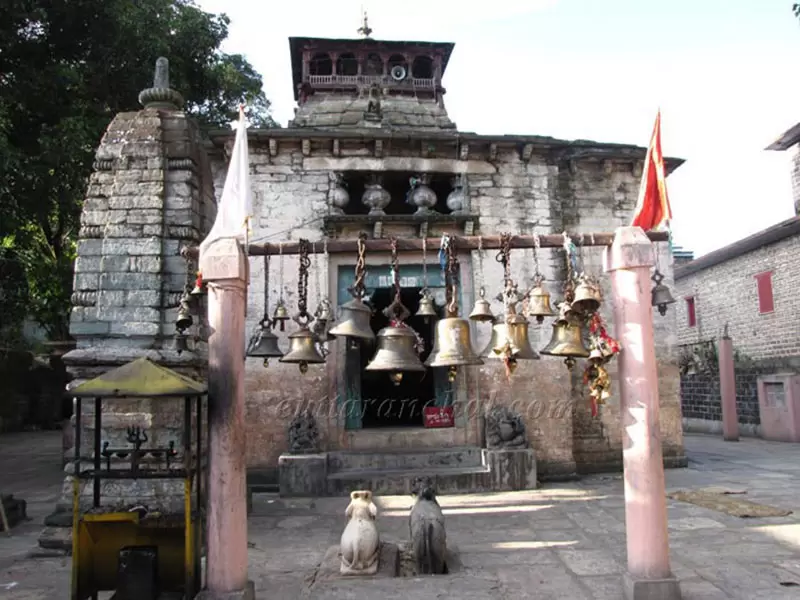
(303,434)
(505,429)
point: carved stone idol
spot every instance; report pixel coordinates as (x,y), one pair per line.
(338,196)
(360,545)
(505,429)
(426,526)
(456,200)
(422,196)
(303,434)
(375,197)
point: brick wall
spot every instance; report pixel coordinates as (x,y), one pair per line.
(727,293)
(700,396)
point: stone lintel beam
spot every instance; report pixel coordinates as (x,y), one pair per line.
(400,163)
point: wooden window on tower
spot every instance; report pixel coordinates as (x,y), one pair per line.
(691,313)
(766,302)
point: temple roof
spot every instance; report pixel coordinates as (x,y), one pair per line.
(137,379)
(296,45)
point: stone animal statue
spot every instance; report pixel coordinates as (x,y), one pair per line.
(505,429)
(360,545)
(426,525)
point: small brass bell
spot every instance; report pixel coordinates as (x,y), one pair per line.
(596,356)
(355,321)
(281,315)
(567,341)
(452,345)
(302,350)
(588,297)
(482,311)
(199,289)
(324,312)
(181,342)
(265,344)
(510,333)
(396,353)
(427,307)
(539,303)
(184,320)
(660,296)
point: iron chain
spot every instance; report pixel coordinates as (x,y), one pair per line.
(395,267)
(280,275)
(359,288)
(266,287)
(302,280)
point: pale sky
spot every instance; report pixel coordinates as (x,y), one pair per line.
(724,73)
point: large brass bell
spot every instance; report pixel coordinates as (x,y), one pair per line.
(539,303)
(452,346)
(567,341)
(281,315)
(396,353)
(355,321)
(588,297)
(482,311)
(303,350)
(510,337)
(427,307)
(660,296)
(265,344)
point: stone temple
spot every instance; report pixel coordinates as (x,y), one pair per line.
(371,149)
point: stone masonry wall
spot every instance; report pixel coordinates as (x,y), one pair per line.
(290,186)
(151,193)
(700,399)
(727,293)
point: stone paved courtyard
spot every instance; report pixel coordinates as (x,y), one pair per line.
(562,541)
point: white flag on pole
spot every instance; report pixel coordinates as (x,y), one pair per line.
(235,207)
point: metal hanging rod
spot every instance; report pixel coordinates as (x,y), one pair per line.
(488,242)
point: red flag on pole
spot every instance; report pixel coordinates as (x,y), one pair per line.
(652,208)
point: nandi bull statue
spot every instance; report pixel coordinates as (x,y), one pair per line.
(426,523)
(360,545)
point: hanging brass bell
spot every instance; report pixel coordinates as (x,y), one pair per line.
(588,297)
(355,321)
(427,306)
(281,315)
(510,335)
(184,319)
(596,356)
(396,353)
(661,297)
(265,344)
(482,311)
(567,341)
(452,345)
(324,312)
(539,304)
(302,350)
(181,342)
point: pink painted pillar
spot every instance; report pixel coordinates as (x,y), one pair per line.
(224,268)
(727,389)
(649,575)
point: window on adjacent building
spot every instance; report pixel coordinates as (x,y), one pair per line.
(690,312)
(766,303)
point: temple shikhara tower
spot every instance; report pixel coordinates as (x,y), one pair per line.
(371,152)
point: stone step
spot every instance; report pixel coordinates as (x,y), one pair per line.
(404,459)
(384,482)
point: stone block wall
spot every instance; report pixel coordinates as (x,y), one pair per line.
(510,194)
(727,293)
(151,194)
(700,399)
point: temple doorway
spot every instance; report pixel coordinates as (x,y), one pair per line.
(383,403)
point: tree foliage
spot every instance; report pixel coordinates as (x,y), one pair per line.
(66,68)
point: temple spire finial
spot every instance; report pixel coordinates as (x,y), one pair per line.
(365,29)
(161,95)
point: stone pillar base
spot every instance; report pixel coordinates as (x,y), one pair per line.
(512,469)
(650,589)
(248,593)
(303,475)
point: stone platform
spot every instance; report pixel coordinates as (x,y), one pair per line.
(453,470)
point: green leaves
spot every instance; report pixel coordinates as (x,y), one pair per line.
(66,68)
